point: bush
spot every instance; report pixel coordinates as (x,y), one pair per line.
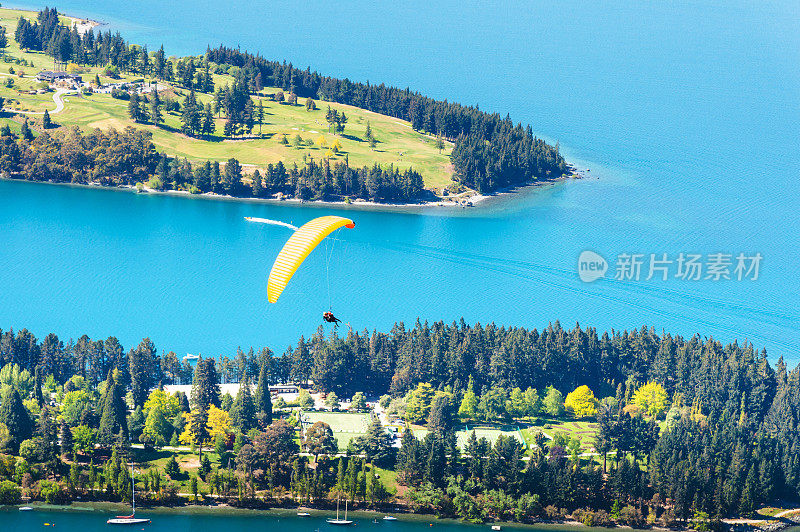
(601,518)
(554,513)
(10,493)
(171,468)
(51,492)
(120,94)
(155,183)
(29,450)
(632,517)
(111,71)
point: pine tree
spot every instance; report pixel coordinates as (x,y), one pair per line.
(144,369)
(112,419)
(171,468)
(440,419)
(48,434)
(66,438)
(46,124)
(191,120)
(205,385)
(263,399)
(209,125)
(260,115)
(15,417)
(199,427)
(376,444)
(368,135)
(243,411)
(257,186)
(133,107)
(155,108)
(25,130)
(233,176)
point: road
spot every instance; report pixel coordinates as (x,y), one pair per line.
(57,98)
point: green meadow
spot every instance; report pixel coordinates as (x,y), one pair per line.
(306,131)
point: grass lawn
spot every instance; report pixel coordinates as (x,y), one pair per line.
(585,430)
(397,144)
(187,461)
(345,425)
(491,433)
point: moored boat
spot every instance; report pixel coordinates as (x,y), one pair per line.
(129,519)
(338,521)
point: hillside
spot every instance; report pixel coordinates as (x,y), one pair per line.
(306,131)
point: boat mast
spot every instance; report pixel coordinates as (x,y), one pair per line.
(133,493)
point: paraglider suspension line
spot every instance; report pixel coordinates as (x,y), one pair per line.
(328,256)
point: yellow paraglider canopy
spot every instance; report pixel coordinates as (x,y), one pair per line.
(297,248)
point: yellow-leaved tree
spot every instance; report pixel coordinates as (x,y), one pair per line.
(581,402)
(217,422)
(168,403)
(652,397)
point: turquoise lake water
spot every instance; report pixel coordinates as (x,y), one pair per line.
(286,521)
(686,113)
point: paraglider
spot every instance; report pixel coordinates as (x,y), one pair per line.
(330,318)
(295,251)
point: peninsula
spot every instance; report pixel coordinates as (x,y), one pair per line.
(232,123)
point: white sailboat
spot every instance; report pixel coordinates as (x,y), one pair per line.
(338,521)
(129,519)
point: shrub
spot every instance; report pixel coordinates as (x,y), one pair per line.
(601,518)
(10,493)
(111,71)
(120,94)
(51,492)
(632,517)
(171,468)
(554,513)
(155,183)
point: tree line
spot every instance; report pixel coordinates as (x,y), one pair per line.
(65,44)
(129,157)
(729,443)
(490,152)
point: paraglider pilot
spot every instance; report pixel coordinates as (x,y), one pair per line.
(330,318)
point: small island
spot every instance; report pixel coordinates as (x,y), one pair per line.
(90,108)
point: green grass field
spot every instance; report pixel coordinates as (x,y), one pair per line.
(490,433)
(586,431)
(397,144)
(187,461)
(345,426)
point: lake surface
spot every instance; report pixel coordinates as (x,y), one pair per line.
(687,114)
(231,520)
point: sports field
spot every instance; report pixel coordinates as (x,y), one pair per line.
(345,426)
